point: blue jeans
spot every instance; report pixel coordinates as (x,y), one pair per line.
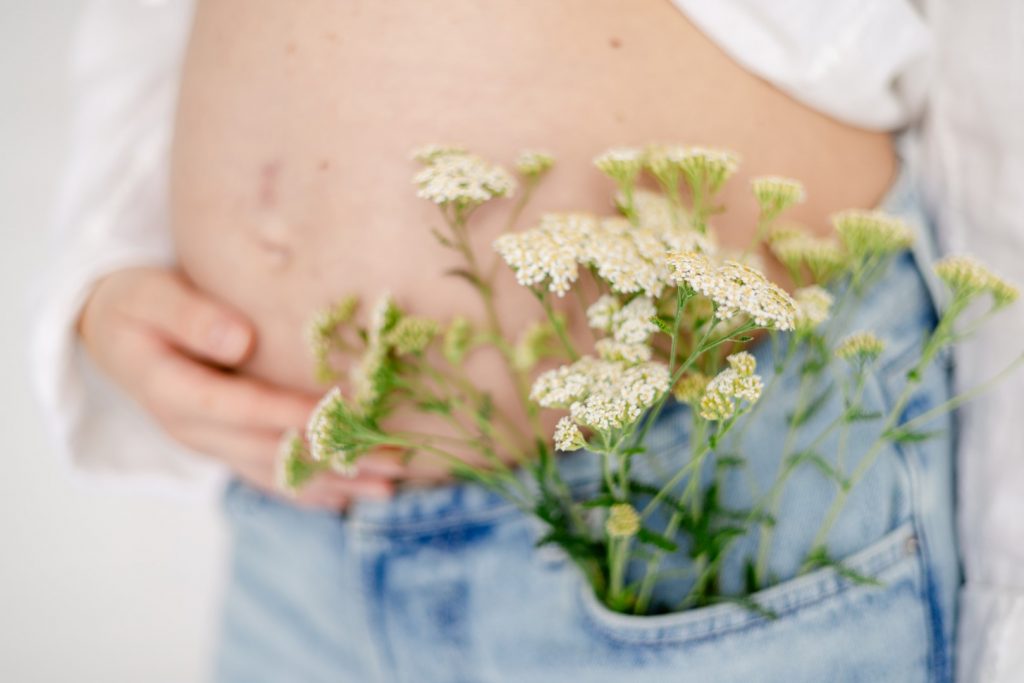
(445,585)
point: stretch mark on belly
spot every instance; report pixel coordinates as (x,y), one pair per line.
(272,236)
(270,175)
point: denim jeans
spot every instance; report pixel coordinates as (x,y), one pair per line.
(445,584)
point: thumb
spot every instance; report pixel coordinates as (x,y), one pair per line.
(190,319)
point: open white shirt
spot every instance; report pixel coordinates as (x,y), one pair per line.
(953,73)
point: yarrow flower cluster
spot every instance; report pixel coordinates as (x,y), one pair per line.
(967,277)
(322,331)
(813,304)
(534,163)
(549,253)
(320,434)
(621,164)
(735,288)
(568,436)
(775,194)
(623,521)
(632,259)
(702,167)
(825,258)
(370,372)
(727,389)
(860,347)
(872,232)
(690,388)
(457,339)
(461,179)
(601,394)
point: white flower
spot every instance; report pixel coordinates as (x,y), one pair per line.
(318,426)
(601,313)
(601,394)
(743,363)
(812,307)
(548,253)
(428,154)
(568,436)
(611,349)
(632,323)
(534,163)
(735,288)
(462,179)
(729,387)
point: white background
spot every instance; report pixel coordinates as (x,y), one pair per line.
(94,587)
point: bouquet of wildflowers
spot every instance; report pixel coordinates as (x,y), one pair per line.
(672,315)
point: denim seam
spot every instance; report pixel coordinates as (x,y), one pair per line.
(909,456)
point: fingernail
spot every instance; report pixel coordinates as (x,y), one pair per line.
(227,339)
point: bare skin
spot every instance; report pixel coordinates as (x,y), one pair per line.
(174,349)
(291,178)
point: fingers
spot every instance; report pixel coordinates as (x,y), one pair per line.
(186,317)
(197,392)
(326,490)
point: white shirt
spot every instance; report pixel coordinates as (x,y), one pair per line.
(872,63)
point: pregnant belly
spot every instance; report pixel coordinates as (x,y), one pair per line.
(291,175)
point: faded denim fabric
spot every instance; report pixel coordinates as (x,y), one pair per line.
(444,585)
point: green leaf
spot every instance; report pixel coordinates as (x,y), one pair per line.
(664,324)
(439,406)
(466,275)
(645,535)
(857,415)
(725,462)
(822,464)
(909,436)
(441,238)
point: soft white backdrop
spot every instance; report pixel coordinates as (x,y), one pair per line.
(94,587)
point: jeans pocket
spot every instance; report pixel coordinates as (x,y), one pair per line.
(825,626)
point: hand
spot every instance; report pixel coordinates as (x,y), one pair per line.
(172,348)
